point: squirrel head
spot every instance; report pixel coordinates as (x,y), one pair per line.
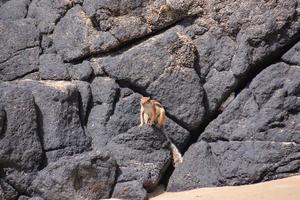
(145,100)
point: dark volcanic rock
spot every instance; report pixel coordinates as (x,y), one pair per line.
(96,58)
(19,180)
(48,12)
(293,55)
(126,116)
(2,119)
(105,90)
(86,176)
(85,99)
(96,126)
(142,154)
(74,36)
(163,75)
(28,198)
(130,190)
(7,191)
(14,9)
(59,118)
(100,26)
(255,139)
(234,37)
(53,68)
(20,145)
(81,71)
(19,50)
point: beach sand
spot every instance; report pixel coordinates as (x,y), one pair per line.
(282,189)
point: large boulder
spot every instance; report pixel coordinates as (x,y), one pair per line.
(100,26)
(49,12)
(14,9)
(163,75)
(19,48)
(114,117)
(142,154)
(235,38)
(20,145)
(255,139)
(58,108)
(86,176)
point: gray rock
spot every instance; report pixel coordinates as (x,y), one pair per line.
(58,108)
(48,12)
(96,126)
(28,198)
(22,197)
(52,67)
(255,139)
(32,76)
(7,191)
(81,71)
(97,69)
(130,190)
(128,20)
(293,55)
(20,145)
(2,119)
(85,99)
(19,48)
(88,176)
(142,154)
(99,26)
(19,180)
(104,90)
(162,75)
(235,37)
(70,35)
(14,9)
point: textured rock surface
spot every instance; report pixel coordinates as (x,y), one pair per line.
(13,10)
(255,139)
(59,118)
(20,144)
(142,155)
(87,176)
(19,48)
(162,75)
(89,62)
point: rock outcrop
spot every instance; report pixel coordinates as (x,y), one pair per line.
(72,73)
(255,139)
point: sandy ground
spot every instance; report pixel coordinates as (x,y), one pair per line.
(283,189)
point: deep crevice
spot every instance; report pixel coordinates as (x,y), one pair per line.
(118,173)
(40,130)
(243,83)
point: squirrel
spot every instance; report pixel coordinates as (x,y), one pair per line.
(152,112)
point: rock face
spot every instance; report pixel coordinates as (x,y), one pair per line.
(162,74)
(255,139)
(19,44)
(20,144)
(87,176)
(57,105)
(72,73)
